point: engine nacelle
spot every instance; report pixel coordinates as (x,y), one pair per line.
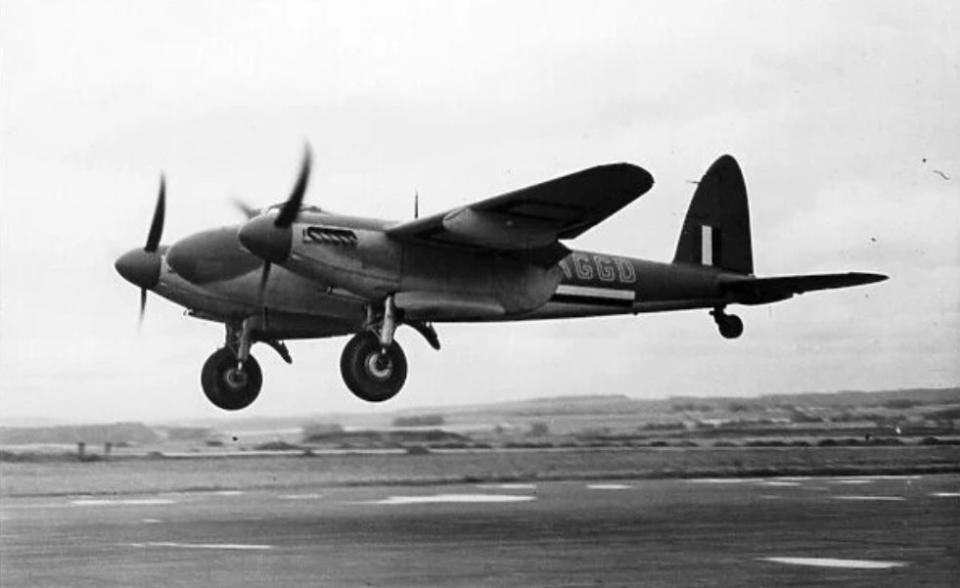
(365,262)
(454,283)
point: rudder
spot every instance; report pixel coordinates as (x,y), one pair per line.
(716,231)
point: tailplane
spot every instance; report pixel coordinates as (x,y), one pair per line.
(716,231)
(766,290)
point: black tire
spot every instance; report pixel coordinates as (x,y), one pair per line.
(731,326)
(372,374)
(225,386)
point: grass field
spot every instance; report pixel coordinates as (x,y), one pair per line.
(141,475)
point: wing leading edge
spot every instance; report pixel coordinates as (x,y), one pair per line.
(532,220)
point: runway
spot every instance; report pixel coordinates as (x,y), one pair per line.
(866,531)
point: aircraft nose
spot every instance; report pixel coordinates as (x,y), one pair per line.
(264,239)
(140,268)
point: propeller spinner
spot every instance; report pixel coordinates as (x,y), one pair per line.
(141,267)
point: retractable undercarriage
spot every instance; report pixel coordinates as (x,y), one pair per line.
(373,365)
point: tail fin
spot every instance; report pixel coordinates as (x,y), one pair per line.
(716,231)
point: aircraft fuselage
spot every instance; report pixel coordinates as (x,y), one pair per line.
(452,284)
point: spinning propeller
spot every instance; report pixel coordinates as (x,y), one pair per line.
(269,237)
(247,210)
(141,267)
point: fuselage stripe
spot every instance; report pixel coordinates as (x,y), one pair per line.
(593,292)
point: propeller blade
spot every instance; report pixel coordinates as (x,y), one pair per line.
(156,226)
(416,205)
(143,306)
(291,207)
(264,276)
(247,210)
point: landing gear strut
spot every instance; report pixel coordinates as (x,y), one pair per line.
(231,377)
(373,365)
(730,325)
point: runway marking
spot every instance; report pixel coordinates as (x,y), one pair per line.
(452,498)
(121,502)
(779,483)
(721,480)
(874,498)
(832,562)
(885,477)
(851,482)
(231,546)
(228,493)
(608,486)
(151,521)
(946,494)
(510,486)
(300,496)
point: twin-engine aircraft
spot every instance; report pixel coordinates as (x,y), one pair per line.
(300,272)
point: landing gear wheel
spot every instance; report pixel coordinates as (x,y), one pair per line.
(372,373)
(228,385)
(730,326)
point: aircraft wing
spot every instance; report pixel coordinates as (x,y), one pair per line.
(532,220)
(763,290)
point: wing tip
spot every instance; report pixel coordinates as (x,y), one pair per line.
(633,173)
(868,278)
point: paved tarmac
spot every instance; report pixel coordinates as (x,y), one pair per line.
(865,531)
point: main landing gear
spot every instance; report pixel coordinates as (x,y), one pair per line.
(730,325)
(228,383)
(373,365)
(231,378)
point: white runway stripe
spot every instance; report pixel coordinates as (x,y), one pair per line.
(875,498)
(887,477)
(832,562)
(608,486)
(946,494)
(300,496)
(230,546)
(452,498)
(121,502)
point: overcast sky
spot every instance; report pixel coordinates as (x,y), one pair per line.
(841,114)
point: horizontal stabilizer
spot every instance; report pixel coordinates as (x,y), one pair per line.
(764,290)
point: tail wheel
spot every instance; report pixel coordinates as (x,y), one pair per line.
(230,386)
(730,326)
(372,373)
